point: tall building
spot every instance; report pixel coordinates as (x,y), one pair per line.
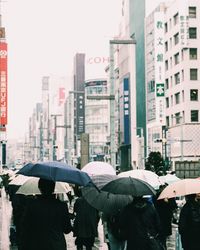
(174,94)
(136,31)
(79,103)
(97,118)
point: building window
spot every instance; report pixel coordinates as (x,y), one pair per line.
(182,75)
(166,28)
(176,58)
(194,115)
(177,78)
(192,12)
(192,33)
(193,74)
(178,118)
(170,42)
(183,96)
(176,19)
(193,53)
(176,38)
(166,65)
(177,98)
(167,102)
(166,83)
(166,46)
(167,121)
(182,54)
(194,95)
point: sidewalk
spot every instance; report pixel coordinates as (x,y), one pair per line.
(5,216)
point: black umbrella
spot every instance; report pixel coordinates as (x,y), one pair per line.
(104,201)
(56,171)
(129,186)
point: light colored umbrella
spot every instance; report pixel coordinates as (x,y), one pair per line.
(169,178)
(181,188)
(30,187)
(19,180)
(98,168)
(145,175)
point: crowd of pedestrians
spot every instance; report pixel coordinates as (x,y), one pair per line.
(41,222)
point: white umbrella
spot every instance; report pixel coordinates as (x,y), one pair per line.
(30,187)
(169,178)
(98,168)
(145,175)
(19,180)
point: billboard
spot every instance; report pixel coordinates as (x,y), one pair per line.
(3,84)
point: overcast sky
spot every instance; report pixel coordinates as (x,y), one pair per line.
(43,37)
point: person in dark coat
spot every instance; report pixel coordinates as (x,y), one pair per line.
(85,224)
(45,221)
(189,223)
(165,209)
(140,221)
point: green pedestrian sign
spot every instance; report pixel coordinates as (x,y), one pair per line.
(160,90)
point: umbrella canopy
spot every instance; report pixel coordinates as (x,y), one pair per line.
(169,178)
(30,187)
(145,175)
(101,180)
(56,171)
(98,168)
(19,180)
(129,186)
(104,201)
(181,188)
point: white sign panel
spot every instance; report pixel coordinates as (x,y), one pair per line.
(159,66)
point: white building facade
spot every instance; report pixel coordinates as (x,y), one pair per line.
(173,80)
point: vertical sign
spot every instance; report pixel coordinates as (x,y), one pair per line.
(184,24)
(3,85)
(80,114)
(159,66)
(126,105)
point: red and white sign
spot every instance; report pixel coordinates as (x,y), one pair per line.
(3,84)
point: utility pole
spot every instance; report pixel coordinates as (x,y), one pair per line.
(55,136)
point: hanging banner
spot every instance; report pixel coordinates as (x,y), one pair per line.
(3,85)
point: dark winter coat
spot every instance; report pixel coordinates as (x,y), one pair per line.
(137,219)
(44,223)
(165,211)
(189,225)
(86,219)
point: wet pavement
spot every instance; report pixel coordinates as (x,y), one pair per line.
(5,220)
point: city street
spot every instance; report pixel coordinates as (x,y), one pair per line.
(5,219)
